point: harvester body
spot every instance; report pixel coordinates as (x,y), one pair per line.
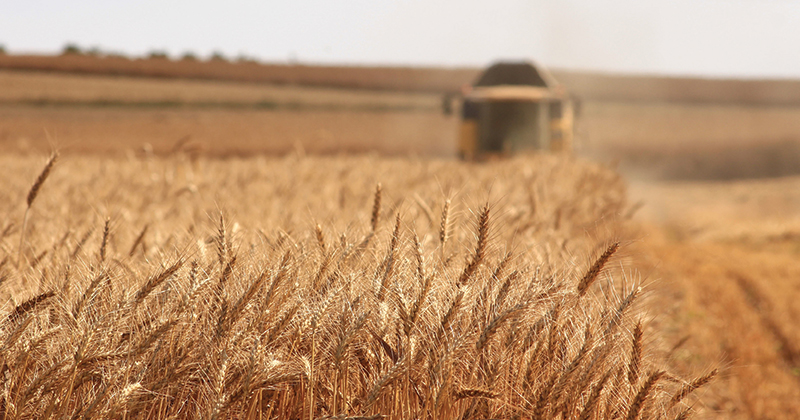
(515,107)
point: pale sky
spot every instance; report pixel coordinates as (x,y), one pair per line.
(715,38)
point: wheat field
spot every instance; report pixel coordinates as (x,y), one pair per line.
(310,287)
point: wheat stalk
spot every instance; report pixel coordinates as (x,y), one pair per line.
(474,393)
(32,194)
(444,225)
(636,355)
(139,240)
(596,268)
(641,397)
(82,242)
(104,242)
(692,386)
(494,325)
(28,306)
(594,398)
(480,247)
(376,208)
(153,282)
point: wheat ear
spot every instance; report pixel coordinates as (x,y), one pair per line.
(390,260)
(416,309)
(82,242)
(138,240)
(594,398)
(683,415)
(320,237)
(636,354)
(474,393)
(444,224)
(480,247)
(692,386)
(376,208)
(493,326)
(642,395)
(222,242)
(154,281)
(594,271)
(104,243)
(29,305)
(32,194)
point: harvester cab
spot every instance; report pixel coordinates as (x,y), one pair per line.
(514,107)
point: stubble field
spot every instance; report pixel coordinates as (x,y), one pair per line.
(114,115)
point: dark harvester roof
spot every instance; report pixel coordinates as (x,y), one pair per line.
(511,74)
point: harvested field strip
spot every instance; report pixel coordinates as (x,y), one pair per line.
(223,132)
(260,105)
(787,349)
(310,288)
(590,86)
(732,304)
(355,77)
(19,86)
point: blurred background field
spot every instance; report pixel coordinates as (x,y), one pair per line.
(652,127)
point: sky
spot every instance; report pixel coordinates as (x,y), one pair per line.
(708,38)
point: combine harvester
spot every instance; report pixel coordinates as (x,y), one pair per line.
(515,107)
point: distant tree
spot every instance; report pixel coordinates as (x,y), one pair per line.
(71,49)
(189,56)
(117,55)
(157,55)
(217,56)
(94,51)
(2,49)
(244,58)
